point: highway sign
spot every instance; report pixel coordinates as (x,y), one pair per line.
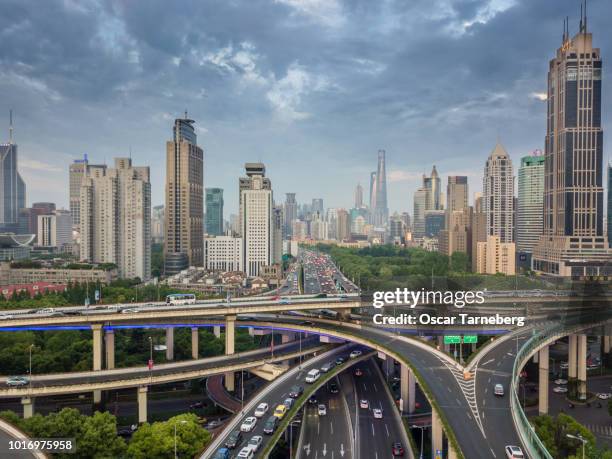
(470,339)
(452,339)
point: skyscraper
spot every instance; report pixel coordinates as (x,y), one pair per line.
(530,203)
(610,204)
(456,235)
(214,211)
(116,218)
(291,213)
(358,196)
(380,213)
(418,213)
(317,206)
(343,225)
(157,224)
(256,208)
(498,194)
(372,192)
(432,185)
(457,193)
(184,243)
(12,186)
(574,242)
(78,169)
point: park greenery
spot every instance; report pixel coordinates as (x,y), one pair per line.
(386,267)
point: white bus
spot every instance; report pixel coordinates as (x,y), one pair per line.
(181,298)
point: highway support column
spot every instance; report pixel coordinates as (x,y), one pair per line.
(407,389)
(142,404)
(217,331)
(195,343)
(571,356)
(606,344)
(582,373)
(543,381)
(170,343)
(97,358)
(437,434)
(28,407)
(230,331)
(109,346)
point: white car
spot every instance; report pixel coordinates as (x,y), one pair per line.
(364,404)
(248,424)
(514,452)
(322,410)
(560,381)
(560,389)
(45,311)
(604,395)
(498,390)
(564,365)
(255,442)
(129,311)
(377,413)
(261,410)
(246,453)
(312,376)
(355,354)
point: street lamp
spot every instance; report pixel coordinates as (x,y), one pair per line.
(580,438)
(414,426)
(175,424)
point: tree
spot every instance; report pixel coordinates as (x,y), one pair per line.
(553,433)
(156,441)
(459,262)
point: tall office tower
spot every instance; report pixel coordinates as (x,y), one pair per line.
(277,234)
(397,229)
(372,191)
(291,213)
(498,194)
(610,204)
(54,230)
(343,225)
(234,224)
(12,186)
(157,224)
(530,203)
(331,217)
(358,225)
(418,213)
(456,234)
(78,169)
(214,211)
(434,222)
(479,233)
(457,193)
(299,230)
(358,196)
(432,185)
(317,206)
(256,209)
(116,218)
(184,243)
(319,228)
(574,242)
(478,201)
(380,213)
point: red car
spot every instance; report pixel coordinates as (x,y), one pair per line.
(397,449)
(358,372)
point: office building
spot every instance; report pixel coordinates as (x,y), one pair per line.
(12,186)
(418,213)
(530,203)
(116,218)
(214,211)
(434,222)
(78,169)
(372,191)
(290,213)
(157,224)
(223,253)
(498,194)
(28,217)
(494,256)
(10,275)
(358,196)
(479,231)
(574,242)
(456,235)
(184,199)
(380,212)
(54,230)
(610,204)
(317,206)
(299,230)
(432,186)
(343,225)
(278,221)
(457,193)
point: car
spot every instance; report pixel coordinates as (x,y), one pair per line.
(255,442)
(248,424)
(312,376)
(340,360)
(333,388)
(604,395)
(6,317)
(354,354)
(358,372)
(280,411)
(270,425)
(397,449)
(564,365)
(498,390)
(364,404)
(245,453)
(129,311)
(560,381)
(222,453)
(45,311)
(377,413)
(261,410)
(514,452)
(321,410)
(327,367)
(560,389)
(312,400)
(234,439)
(214,424)
(288,402)
(195,405)
(296,391)
(17,381)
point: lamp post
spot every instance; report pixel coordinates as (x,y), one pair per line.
(175,424)
(414,426)
(580,438)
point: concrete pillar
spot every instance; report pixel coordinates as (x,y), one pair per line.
(97,397)
(217,331)
(389,366)
(230,331)
(251,331)
(543,381)
(407,389)
(195,343)
(109,337)
(437,434)
(142,404)
(606,344)
(28,407)
(571,357)
(169,343)
(536,357)
(582,370)
(97,346)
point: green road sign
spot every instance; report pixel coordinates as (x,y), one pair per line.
(470,339)
(452,339)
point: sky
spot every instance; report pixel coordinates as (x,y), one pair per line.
(312,88)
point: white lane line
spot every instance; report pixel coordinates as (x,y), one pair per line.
(387,429)
(372,429)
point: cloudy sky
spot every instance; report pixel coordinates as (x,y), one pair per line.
(313,88)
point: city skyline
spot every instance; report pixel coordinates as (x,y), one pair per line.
(48,106)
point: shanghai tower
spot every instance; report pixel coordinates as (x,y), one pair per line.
(381,211)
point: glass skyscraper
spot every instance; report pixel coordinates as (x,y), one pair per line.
(530,202)
(12,185)
(214,211)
